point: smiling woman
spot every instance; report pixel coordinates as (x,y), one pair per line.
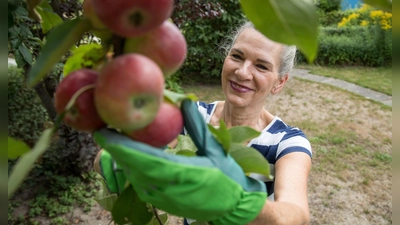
(255,67)
(214,186)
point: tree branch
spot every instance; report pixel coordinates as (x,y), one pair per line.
(47,100)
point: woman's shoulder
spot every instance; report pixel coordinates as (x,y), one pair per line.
(278,132)
(277,125)
(279,138)
(206,109)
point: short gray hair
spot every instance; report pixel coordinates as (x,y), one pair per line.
(288,53)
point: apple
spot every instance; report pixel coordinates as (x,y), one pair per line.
(99,29)
(128,18)
(129,91)
(83,114)
(165,45)
(167,125)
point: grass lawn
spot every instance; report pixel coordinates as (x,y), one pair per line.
(375,78)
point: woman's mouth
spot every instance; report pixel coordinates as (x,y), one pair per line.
(239,88)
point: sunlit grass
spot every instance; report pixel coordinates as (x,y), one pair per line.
(375,78)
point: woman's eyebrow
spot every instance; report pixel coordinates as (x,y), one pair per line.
(238,51)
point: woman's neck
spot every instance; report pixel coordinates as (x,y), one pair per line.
(256,118)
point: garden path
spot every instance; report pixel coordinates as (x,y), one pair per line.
(367,93)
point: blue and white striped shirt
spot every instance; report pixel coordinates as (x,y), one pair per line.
(275,141)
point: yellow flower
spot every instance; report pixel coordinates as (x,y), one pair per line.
(376,14)
(343,22)
(354,16)
(385,25)
(364,23)
(387,15)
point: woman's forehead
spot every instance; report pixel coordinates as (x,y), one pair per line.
(253,39)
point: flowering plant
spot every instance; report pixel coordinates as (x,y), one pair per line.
(367,15)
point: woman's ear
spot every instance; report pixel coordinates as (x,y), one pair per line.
(281,82)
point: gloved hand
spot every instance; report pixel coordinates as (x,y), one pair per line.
(208,187)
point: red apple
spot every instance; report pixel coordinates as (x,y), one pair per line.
(129,18)
(83,115)
(167,125)
(99,29)
(165,44)
(129,92)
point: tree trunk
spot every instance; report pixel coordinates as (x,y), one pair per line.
(47,101)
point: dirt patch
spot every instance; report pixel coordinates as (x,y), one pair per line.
(346,191)
(343,195)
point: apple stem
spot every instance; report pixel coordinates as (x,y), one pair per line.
(76,95)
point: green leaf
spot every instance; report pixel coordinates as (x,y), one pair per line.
(26,161)
(105,198)
(185,142)
(199,223)
(222,135)
(13,33)
(85,56)
(184,147)
(12,6)
(107,202)
(50,19)
(19,59)
(162,217)
(241,134)
(25,31)
(16,148)
(175,98)
(250,160)
(59,41)
(26,54)
(292,22)
(385,5)
(186,152)
(129,208)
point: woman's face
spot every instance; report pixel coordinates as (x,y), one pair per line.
(250,70)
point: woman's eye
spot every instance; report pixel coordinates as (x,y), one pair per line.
(235,56)
(262,67)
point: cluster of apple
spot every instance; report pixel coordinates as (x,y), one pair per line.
(127,92)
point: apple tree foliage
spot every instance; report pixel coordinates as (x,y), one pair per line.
(62,34)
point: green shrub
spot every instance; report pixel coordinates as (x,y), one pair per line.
(26,115)
(205,24)
(330,18)
(329,5)
(347,31)
(353,46)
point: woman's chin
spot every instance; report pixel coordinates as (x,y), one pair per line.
(236,101)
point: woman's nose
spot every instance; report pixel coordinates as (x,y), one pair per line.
(243,72)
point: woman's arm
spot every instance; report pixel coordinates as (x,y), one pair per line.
(291,199)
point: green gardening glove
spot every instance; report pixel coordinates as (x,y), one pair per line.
(208,187)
